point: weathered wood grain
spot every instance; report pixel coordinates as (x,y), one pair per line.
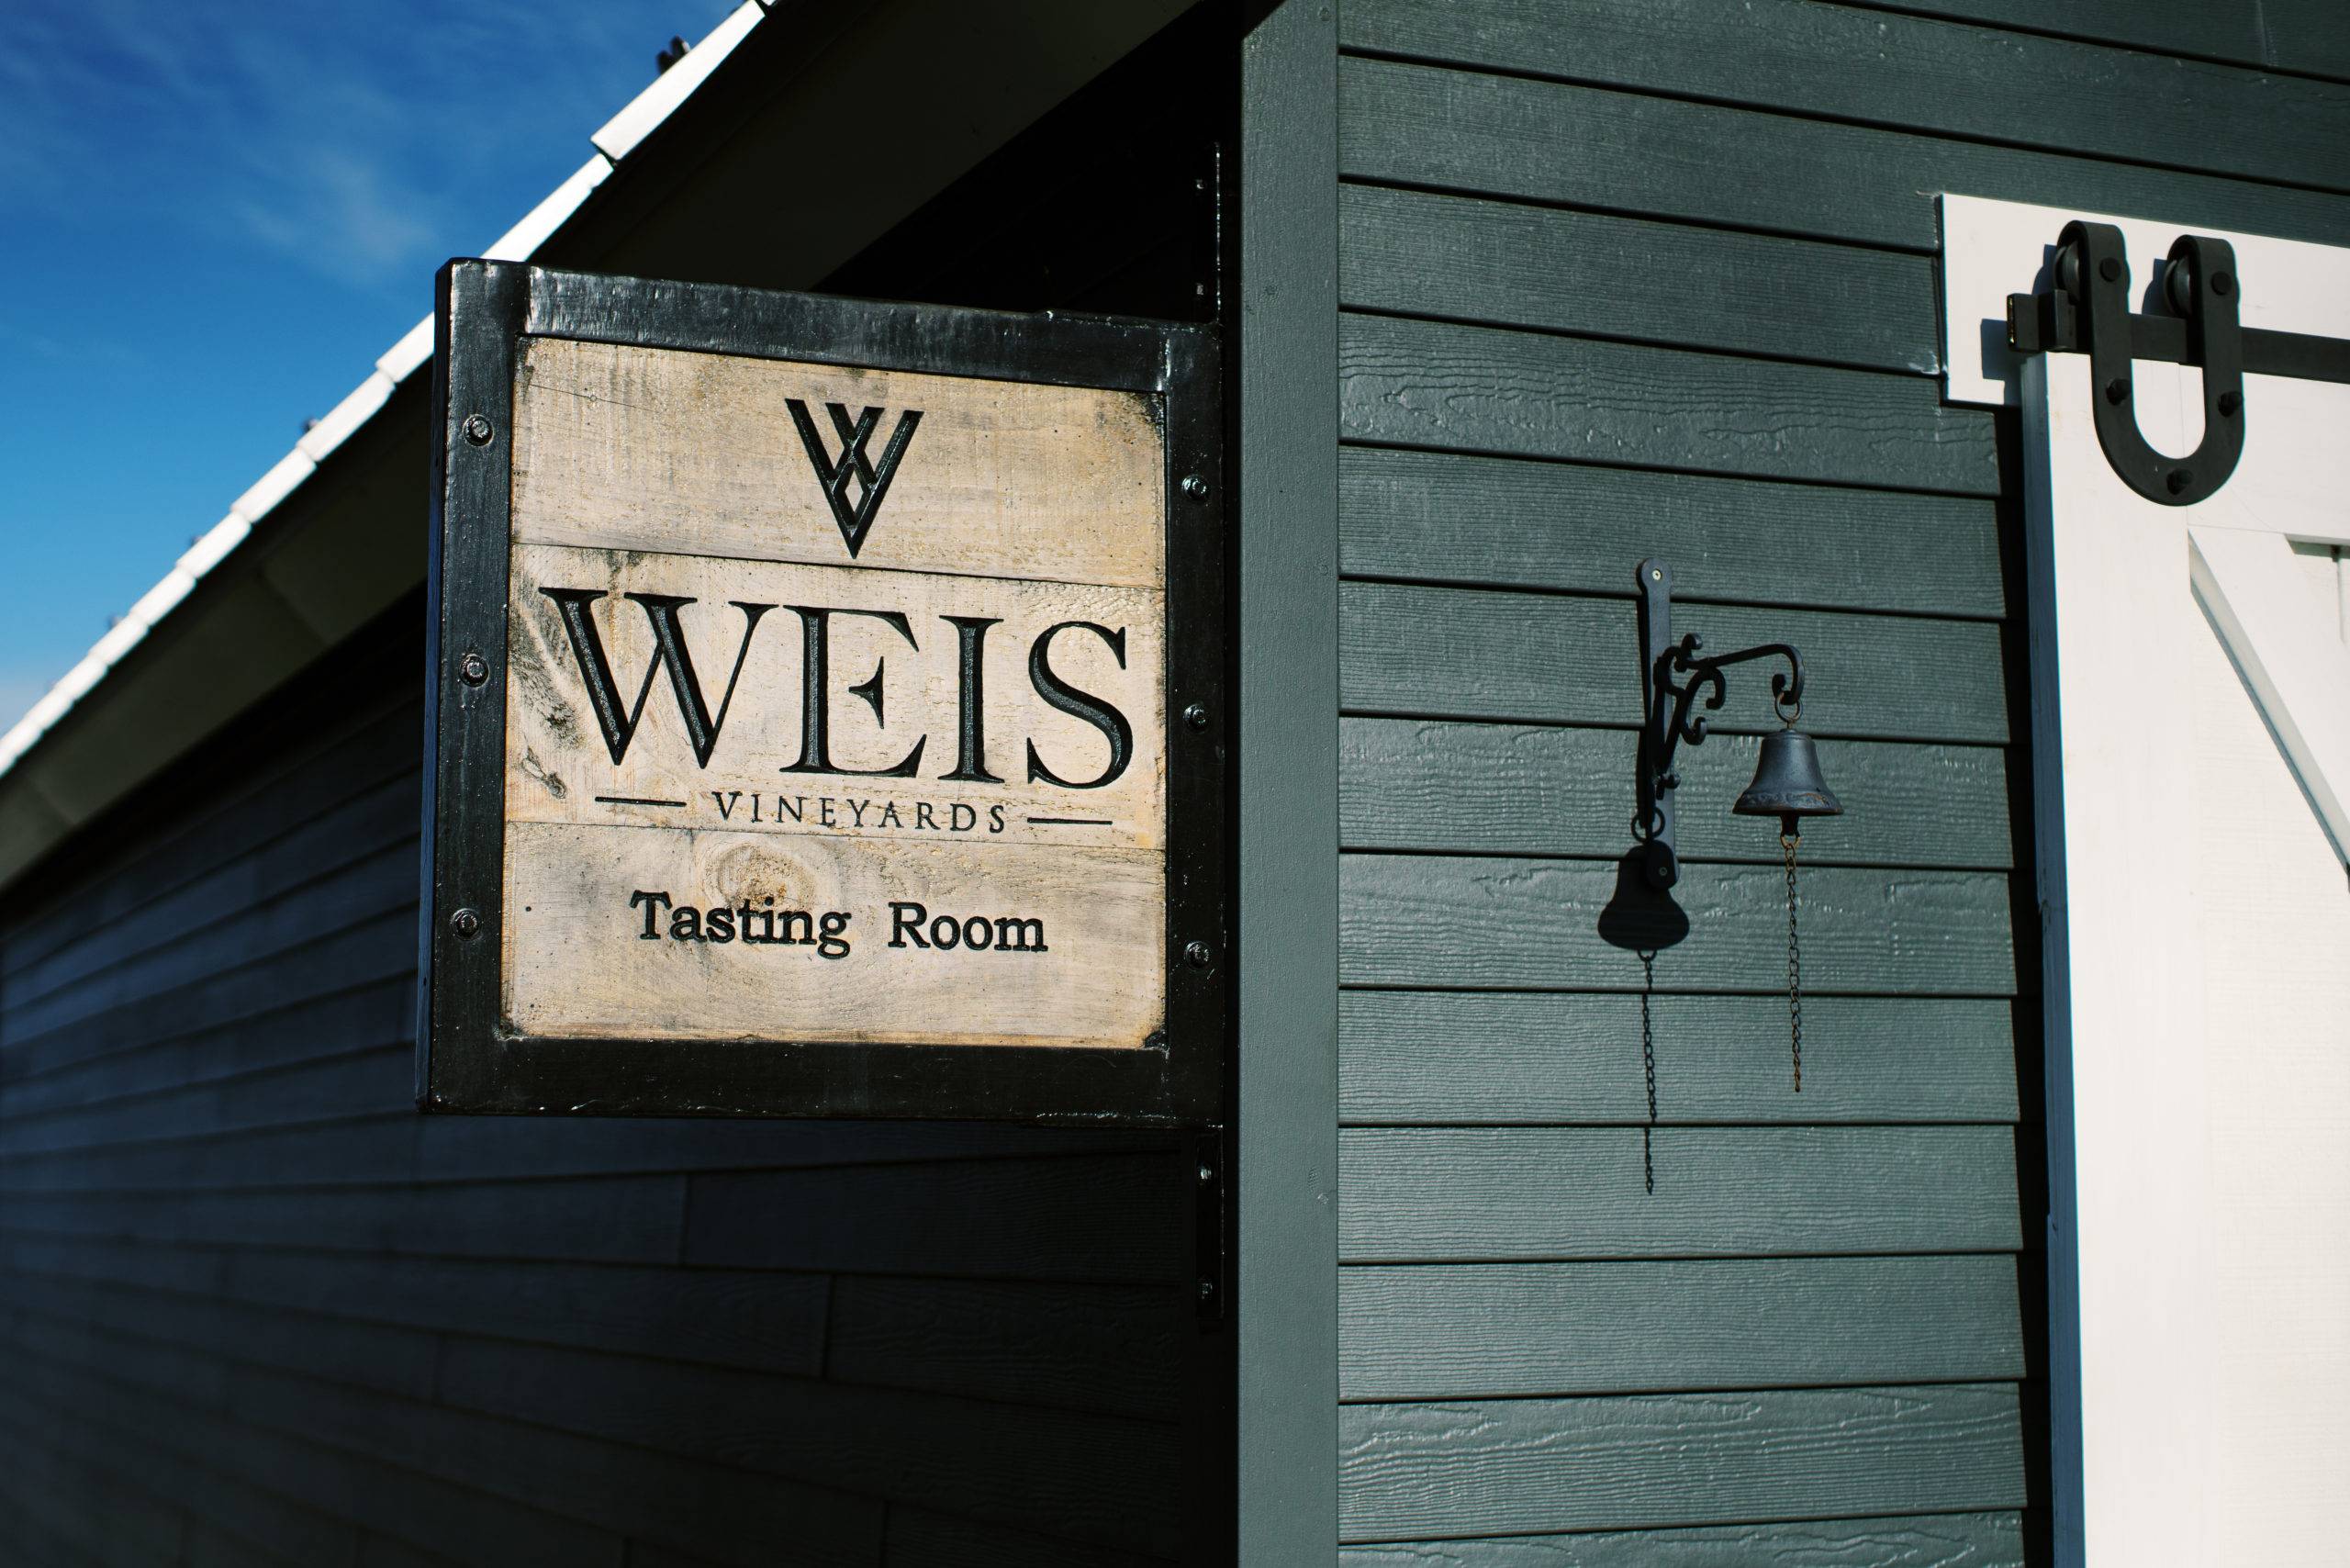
(578,964)
(1619,1463)
(1415,920)
(1507,1330)
(1444,517)
(1426,1195)
(1888,68)
(1628,153)
(1934,1541)
(626,448)
(1466,388)
(1455,1058)
(1453,652)
(1523,789)
(1417,253)
(559,767)
(588,839)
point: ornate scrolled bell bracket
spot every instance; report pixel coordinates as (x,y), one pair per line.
(1668,717)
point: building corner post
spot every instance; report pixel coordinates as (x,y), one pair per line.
(1284,315)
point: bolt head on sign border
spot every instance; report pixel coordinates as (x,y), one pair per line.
(826,707)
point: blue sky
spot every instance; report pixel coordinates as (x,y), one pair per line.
(214,215)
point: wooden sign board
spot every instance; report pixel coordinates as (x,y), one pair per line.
(827,707)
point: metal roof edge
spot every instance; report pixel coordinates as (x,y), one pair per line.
(618,135)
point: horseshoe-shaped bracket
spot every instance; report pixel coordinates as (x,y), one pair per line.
(2087,311)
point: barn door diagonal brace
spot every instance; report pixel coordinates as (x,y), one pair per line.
(2086,311)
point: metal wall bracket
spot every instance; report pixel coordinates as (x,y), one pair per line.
(1666,722)
(1210,1251)
(2087,311)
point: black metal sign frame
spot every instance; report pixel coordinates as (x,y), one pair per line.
(467,1059)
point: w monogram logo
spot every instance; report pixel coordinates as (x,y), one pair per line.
(872,480)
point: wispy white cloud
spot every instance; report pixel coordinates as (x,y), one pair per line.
(356,138)
(49,346)
(343,211)
(218,212)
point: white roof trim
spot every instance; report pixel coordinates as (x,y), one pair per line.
(344,418)
(521,241)
(619,135)
(414,351)
(411,354)
(275,485)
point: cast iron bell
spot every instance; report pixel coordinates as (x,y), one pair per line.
(1787,784)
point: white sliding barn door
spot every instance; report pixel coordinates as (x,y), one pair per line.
(2191,730)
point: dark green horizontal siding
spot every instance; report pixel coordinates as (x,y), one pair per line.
(1510,1330)
(1582,272)
(1431,784)
(1441,1194)
(1416,920)
(1467,388)
(1775,172)
(1942,1541)
(1656,280)
(2305,37)
(1441,517)
(1622,282)
(1881,68)
(1449,653)
(1615,1462)
(1454,1058)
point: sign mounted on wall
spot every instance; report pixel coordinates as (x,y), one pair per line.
(826,707)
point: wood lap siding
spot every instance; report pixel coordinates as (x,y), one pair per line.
(1659,279)
(255,1309)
